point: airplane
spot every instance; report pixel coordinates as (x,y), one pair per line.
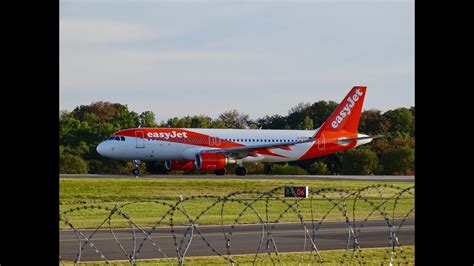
(213,149)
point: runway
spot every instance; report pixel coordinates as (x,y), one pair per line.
(244,239)
(262,177)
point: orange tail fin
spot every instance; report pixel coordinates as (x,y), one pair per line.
(347,114)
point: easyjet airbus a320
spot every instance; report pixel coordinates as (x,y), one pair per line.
(213,149)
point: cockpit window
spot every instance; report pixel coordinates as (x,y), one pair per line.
(122,138)
(117,138)
(111,138)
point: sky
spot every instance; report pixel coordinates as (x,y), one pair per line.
(261,57)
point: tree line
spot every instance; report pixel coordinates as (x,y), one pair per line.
(83,128)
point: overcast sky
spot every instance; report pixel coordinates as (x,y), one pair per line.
(179,58)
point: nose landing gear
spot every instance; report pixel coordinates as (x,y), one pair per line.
(136,171)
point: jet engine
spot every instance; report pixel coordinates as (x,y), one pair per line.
(211,161)
(179,165)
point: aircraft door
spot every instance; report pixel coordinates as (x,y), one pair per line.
(140,139)
(321,142)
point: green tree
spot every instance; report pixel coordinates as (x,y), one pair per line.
(318,168)
(273,122)
(321,110)
(401,120)
(286,169)
(72,164)
(147,119)
(307,123)
(79,150)
(97,112)
(361,161)
(234,119)
(334,162)
(124,118)
(297,115)
(217,124)
(373,122)
(201,121)
(71,130)
(398,161)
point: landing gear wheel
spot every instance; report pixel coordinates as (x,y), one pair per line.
(220,172)
(136,164)
(240,171)
(136,172)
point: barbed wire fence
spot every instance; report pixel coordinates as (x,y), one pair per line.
(375,201)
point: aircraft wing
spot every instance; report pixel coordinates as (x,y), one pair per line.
(244,151)
(250,150)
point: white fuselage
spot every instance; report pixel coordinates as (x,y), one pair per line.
(166,148)
(150,149)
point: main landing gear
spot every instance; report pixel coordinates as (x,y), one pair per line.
(240,171)
(220,172)
(136,171)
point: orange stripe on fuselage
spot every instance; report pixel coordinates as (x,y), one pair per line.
(179,135)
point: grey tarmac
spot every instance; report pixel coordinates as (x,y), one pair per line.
(245,239)
(381,178)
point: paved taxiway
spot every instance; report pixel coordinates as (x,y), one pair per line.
(263,177)
(245,239)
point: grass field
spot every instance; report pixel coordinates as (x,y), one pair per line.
(88,194)
(371,256)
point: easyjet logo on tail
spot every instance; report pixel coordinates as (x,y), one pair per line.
(347,109)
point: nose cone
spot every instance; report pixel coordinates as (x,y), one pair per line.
(102,149)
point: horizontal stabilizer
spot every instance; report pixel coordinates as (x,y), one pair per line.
(347,141)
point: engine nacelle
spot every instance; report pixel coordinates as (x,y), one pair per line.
(179,165)
(211,161)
